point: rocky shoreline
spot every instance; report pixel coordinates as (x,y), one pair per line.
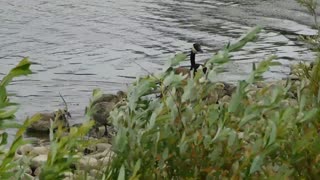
(91,161)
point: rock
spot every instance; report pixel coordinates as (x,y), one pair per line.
(87,163)
(225,99)
(68,176)
(95,173)
(37,171)
(28,171)
(104,161)
(39,150)
(25,149)
(106,153)
(100,147)
(26,176)
(17,156)
(38,160)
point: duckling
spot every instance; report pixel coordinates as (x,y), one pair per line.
(101,108)
(59,118)
(109,98)
(218,90)
(196,48)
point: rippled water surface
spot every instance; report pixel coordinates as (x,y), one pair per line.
(85,44)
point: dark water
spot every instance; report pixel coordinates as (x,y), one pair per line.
(85,44)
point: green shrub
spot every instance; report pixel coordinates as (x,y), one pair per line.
(65,149)
(271,131)
(9,167)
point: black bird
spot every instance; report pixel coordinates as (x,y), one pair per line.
(196,48)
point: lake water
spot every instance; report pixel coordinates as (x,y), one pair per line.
(79,45)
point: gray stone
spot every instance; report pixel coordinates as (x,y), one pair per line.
(106,153)
(37,171)
(38,160)
(100,147)
(87,163)
(25,149)
(105,161)
(68,176)
(26,176)
(39,150)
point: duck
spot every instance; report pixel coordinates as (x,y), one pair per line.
(196,48)
(59,117)
(101,108)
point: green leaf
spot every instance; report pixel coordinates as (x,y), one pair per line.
(243,40)
(189,91)
(8,113)
(175,61)
(173,79)
(21,69)
(4,124)
(247,119)
(309,115)
(121,141)
(212,75)
(10,154)
(3,95)
(136,169)
(232,138)
(143,87)
(213,116)
(220,58)
(122,175)
(170,102)
(263,66)
(273,133)
(237,97)
(256,164)
(4,138)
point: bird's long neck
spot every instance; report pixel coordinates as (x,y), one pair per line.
(192,60)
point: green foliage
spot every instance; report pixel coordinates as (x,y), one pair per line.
(188,132)
(311,6)
(7,110)
(65,150)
